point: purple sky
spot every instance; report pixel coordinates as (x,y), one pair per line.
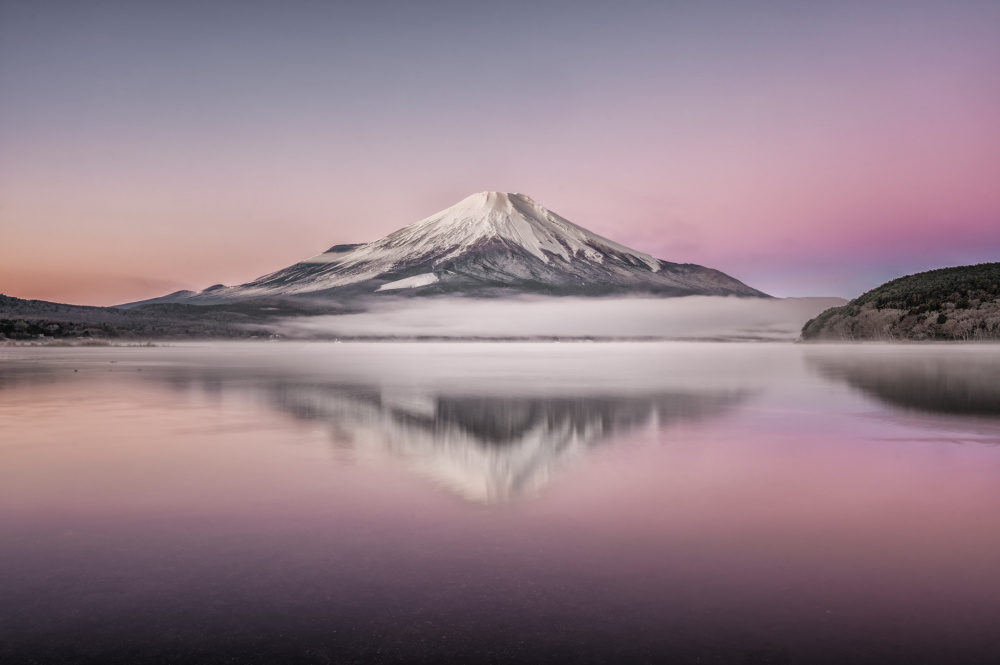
(802,148)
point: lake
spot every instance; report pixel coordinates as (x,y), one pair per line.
(507,503)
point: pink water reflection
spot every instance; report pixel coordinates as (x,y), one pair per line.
(752,514)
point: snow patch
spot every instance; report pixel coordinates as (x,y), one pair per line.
(410,282)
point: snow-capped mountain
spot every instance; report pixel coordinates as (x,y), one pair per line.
(490,243)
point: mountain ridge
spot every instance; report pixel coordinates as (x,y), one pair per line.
(488,244)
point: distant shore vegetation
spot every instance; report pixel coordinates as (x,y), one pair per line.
(950,304)
(41,321)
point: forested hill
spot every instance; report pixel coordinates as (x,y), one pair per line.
(40,320)
(960,303)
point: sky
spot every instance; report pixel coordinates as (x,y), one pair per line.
(807,149)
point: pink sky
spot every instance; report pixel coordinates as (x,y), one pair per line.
(814,152)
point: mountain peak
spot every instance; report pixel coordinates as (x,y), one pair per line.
(493,196)
(514,219)
(485,202)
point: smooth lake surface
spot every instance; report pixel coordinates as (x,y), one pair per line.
(428,503)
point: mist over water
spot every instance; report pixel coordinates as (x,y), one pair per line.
(692,317)
(608,502)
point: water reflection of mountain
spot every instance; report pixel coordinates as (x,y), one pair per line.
(956,384)
(488,448)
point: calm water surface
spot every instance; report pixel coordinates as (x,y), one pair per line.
(428,503)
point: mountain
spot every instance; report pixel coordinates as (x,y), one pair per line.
(961,303)
(488,244)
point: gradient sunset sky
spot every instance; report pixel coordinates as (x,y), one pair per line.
(804,148)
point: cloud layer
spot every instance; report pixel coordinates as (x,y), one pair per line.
(695,317)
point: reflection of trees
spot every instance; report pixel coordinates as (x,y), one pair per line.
(956,383)
(488,448)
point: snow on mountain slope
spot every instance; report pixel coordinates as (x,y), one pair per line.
(487,244)
(409,282)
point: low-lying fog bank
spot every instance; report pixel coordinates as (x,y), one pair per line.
(694,317)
